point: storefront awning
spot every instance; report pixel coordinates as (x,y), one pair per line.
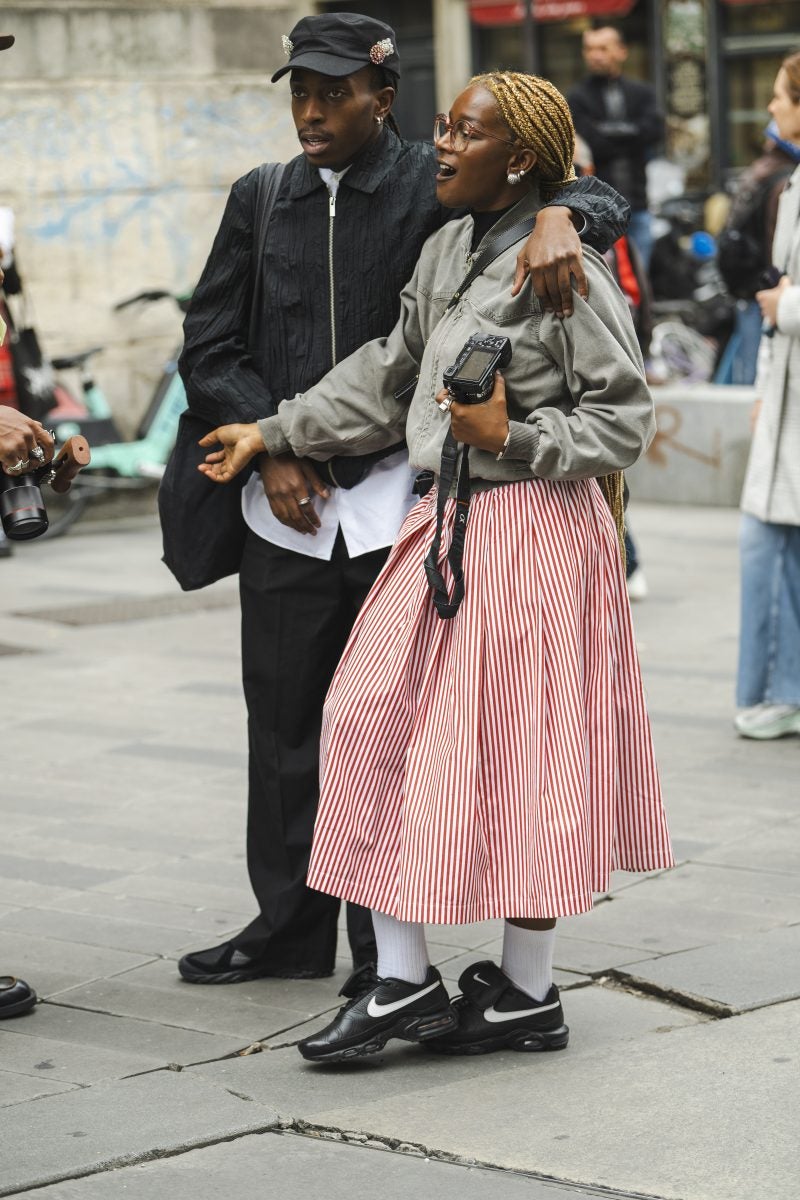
(499,12)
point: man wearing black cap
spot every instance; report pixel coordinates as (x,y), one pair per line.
(349,219)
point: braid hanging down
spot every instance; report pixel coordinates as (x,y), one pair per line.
(538,116)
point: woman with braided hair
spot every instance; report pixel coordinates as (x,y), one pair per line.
(491,756)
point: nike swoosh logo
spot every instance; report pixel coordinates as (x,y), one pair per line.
(478,979)
(381,1010)
(495,1017)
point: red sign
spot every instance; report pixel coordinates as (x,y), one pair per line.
(499,12)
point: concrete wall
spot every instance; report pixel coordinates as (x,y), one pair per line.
(122,126)
(699,454)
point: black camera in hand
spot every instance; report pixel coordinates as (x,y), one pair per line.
(470,379)
(22,506)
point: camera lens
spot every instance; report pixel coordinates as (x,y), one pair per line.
(23,511)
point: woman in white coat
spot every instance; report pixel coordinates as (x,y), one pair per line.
(768,686)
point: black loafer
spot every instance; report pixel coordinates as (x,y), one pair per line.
(493,1014)
(228,964)
(391,1009)
(16,996)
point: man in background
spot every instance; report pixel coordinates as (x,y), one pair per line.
(621,123)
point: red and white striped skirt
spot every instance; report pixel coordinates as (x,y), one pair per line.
(499,764)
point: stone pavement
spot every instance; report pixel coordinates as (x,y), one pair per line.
(121,846)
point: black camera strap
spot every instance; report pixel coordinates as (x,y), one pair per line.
(447,606)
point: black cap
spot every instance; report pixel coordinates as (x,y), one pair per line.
(6,40)
(339,44)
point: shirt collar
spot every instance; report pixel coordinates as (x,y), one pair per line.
(365,174)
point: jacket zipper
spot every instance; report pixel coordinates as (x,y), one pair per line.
(331,281)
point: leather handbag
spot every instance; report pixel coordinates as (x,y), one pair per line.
(202,526)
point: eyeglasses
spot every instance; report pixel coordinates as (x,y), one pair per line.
(462,133)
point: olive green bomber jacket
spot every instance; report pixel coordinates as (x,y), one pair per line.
(579,406)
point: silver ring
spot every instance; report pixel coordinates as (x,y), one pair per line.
(19,465)
(305,500)
(38,453)
(444,405)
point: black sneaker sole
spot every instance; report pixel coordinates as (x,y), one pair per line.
(16,1010)
(524,1040)
(244,976)
(410,1029)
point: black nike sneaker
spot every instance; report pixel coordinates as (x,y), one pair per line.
(391,1009)
(493,1014)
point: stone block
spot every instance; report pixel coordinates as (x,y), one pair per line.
(731,977)
(18,1088)
(92,930)
(154,1044)
(50,965)
(293,1165)
(114,1123)
(700,450)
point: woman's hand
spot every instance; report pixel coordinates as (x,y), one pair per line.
(768,300)
(240,443)
(23,441)
(552,255)
(288,485)
(485,425)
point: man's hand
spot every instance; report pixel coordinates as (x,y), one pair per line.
(19,437)
(482,425)
(769,299)
(552,255)
(239,443)
(288,484)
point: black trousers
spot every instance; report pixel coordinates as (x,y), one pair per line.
(297,613)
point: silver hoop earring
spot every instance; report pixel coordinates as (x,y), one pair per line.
(514,177)
(379,120)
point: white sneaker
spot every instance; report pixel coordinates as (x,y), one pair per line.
(637,585)
(767,721)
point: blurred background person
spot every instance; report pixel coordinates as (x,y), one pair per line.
(744,250)
(768,685)
(620,120)
(17,438)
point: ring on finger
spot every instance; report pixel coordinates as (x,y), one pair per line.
(19,465)
(38,453)
(305,500)
(444,405)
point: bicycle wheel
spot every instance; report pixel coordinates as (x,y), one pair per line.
(64,508)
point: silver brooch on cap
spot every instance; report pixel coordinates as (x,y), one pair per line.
(381,50)
(288,45)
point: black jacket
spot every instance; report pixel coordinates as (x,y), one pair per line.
(351,268)
(620,146)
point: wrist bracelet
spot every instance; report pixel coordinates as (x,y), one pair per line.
(505,445)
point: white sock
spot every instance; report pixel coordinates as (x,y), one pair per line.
(528,958)
(402,950)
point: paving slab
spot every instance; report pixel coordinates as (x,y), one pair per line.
(208,1009)
(17,1087)
(46,1058)
(94,930)
(732,976)
(647,923)
(707,1112)
(198,920)
(51,965)
(304,1168)
(114,1123)
(155,1044)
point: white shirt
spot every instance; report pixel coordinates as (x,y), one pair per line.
(370,514)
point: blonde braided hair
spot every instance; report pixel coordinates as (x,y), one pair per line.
(538,115)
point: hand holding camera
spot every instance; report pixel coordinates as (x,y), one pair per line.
(475,393)
(22,505)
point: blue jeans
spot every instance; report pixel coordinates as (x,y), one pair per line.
(738,362)
(640,229)
(769,636)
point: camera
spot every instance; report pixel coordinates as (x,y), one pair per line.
(471,377)
(22,506)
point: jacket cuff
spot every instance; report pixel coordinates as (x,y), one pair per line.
(523,441)
(273,436)
(789,312)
